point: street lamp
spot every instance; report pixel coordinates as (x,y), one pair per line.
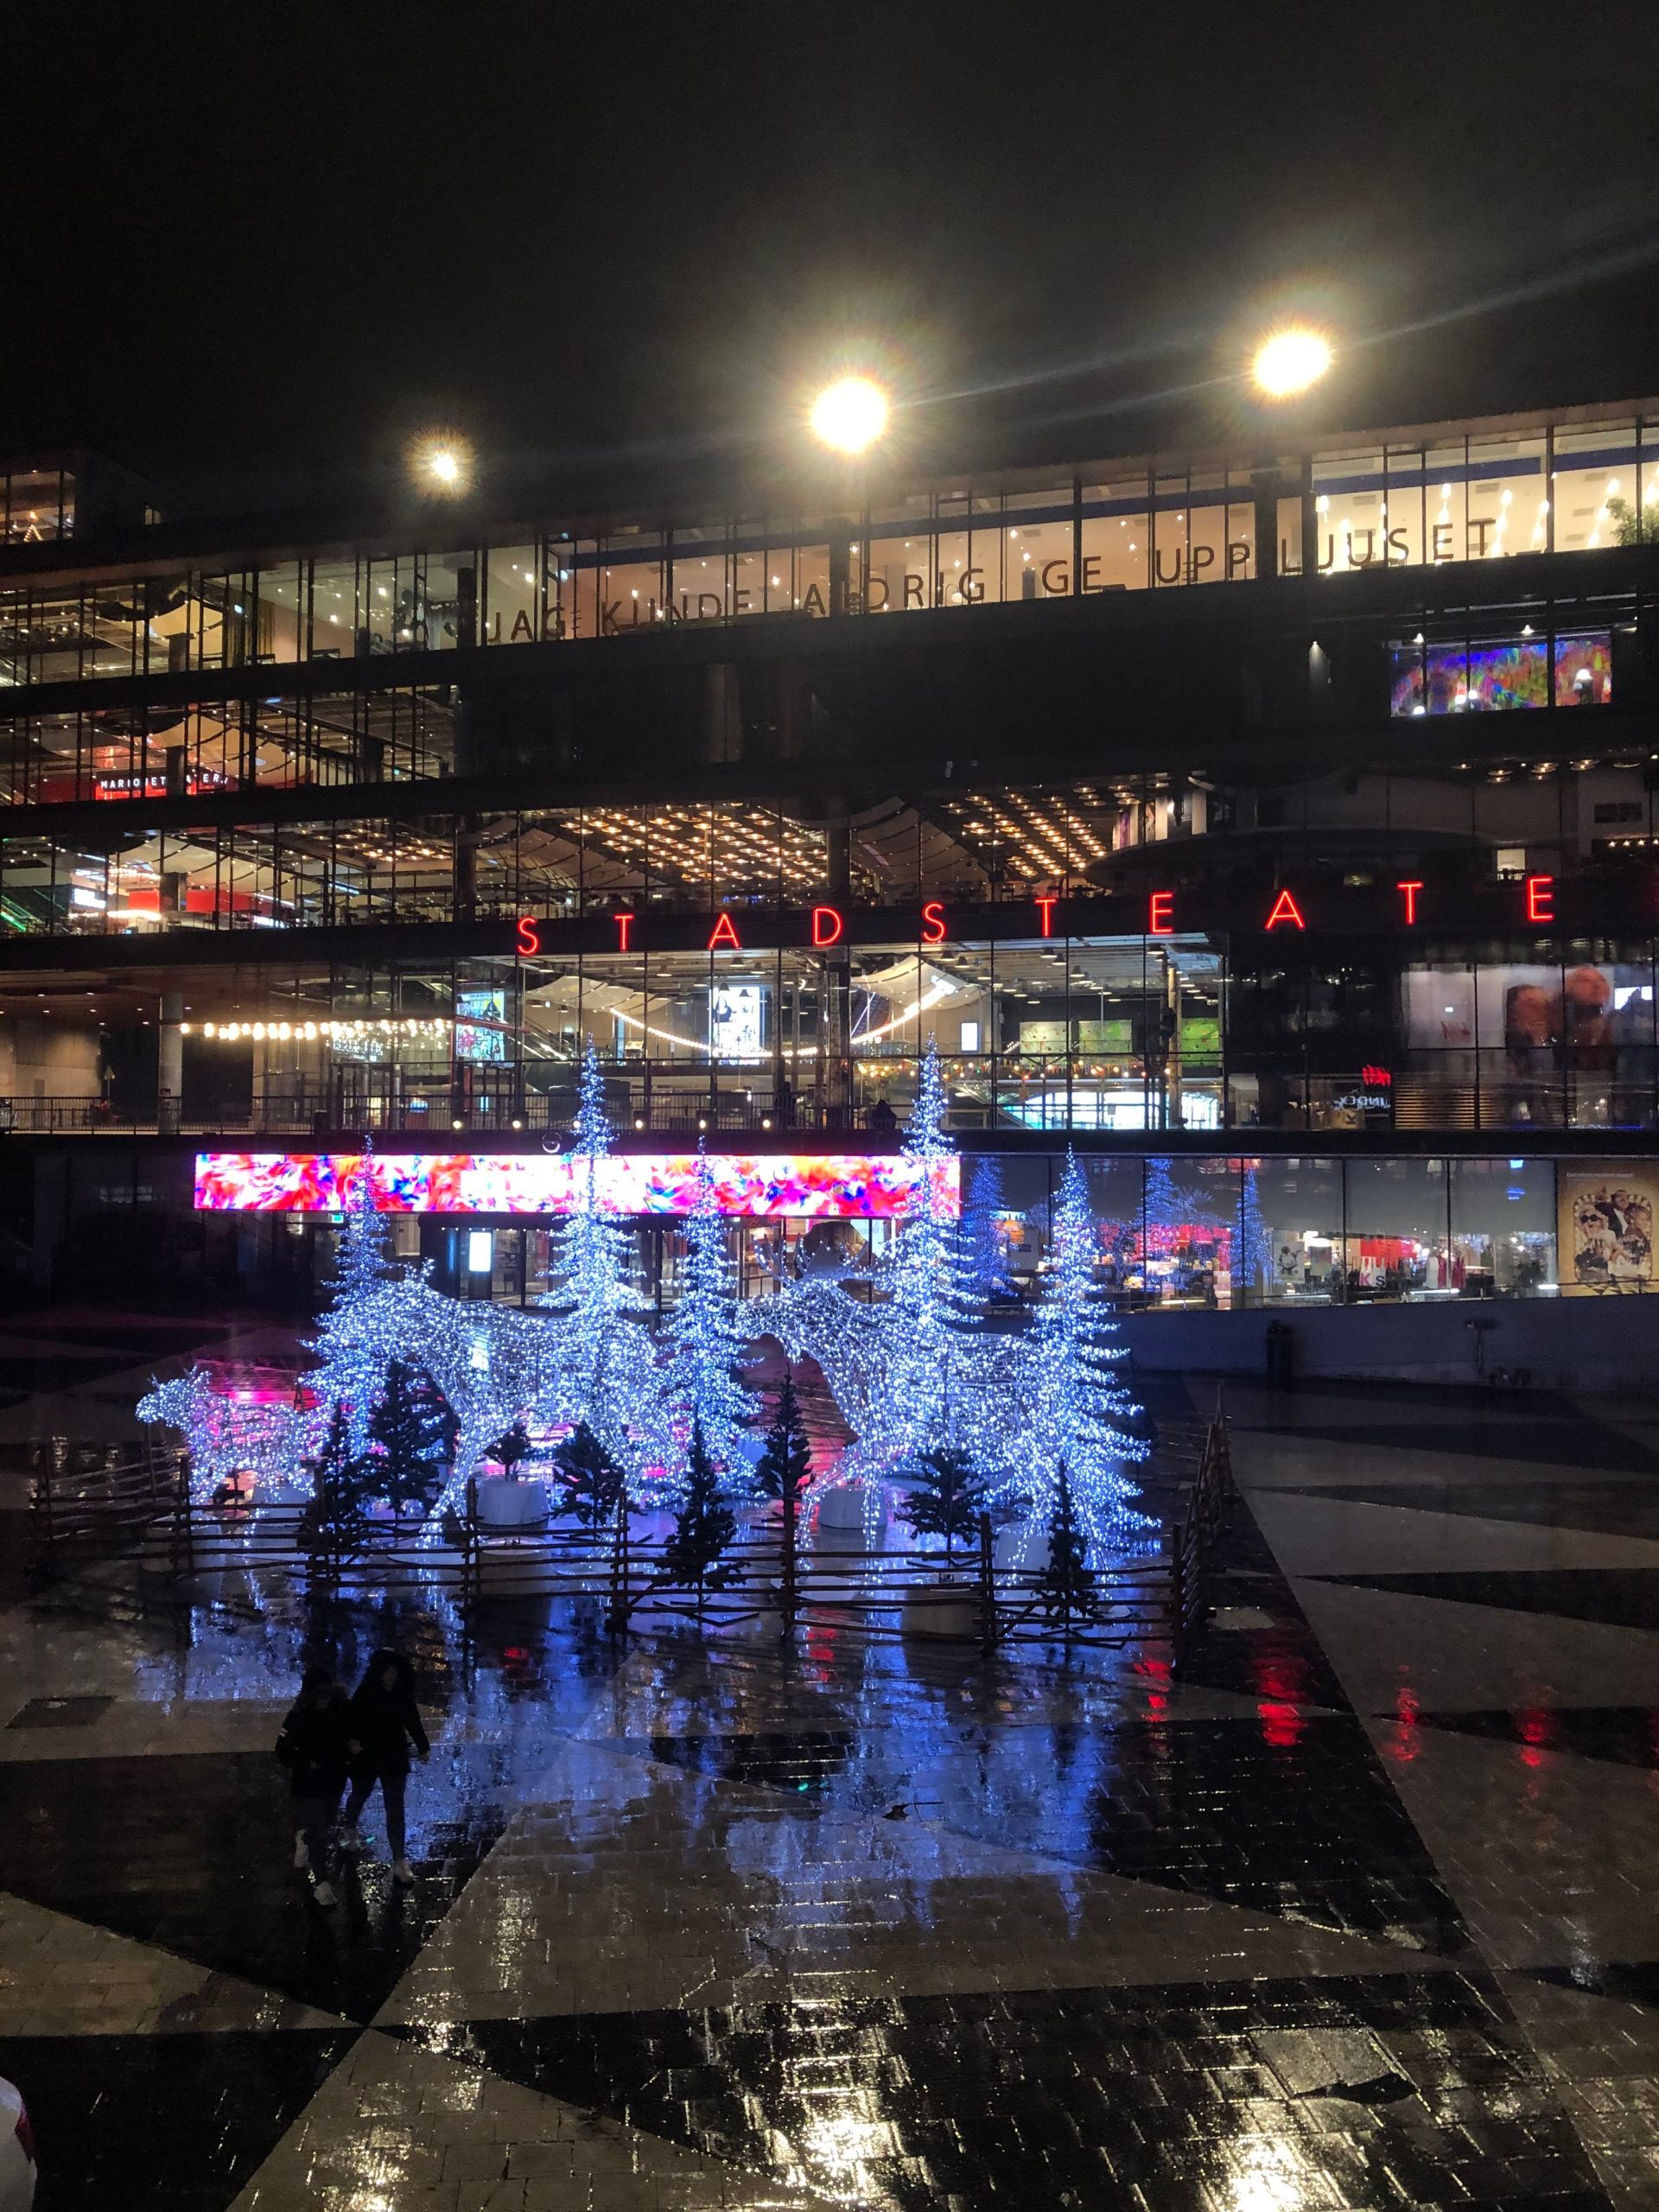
(1289,361)
(850,415)
(442,464)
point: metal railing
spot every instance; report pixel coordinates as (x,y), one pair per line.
(139,1507)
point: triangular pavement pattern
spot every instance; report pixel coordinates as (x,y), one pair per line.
(1337,1537)
(165,2122)
(771,1899)
(1602,2054)
(64,1977)
(197,1865)
(400,2126)
(1548,1856)
(1440,1653)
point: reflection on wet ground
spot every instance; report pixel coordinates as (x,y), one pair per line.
(1358,1913)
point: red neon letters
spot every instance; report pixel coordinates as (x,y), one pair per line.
(530,936)
(826,925)
(624,930)
(1541,898)
(1408,893)
(1045,908)
(933,922)
(1285,909)
(1160,906)
(724,933)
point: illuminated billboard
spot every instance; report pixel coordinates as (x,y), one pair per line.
(480,1025)
(830,1186)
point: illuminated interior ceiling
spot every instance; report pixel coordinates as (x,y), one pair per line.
(1033,835)
(690,848)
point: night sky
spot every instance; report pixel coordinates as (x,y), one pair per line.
(251,249)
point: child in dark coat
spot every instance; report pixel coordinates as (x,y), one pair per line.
(384,1723)
(316,1745)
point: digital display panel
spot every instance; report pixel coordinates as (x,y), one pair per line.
(737,1020)
(480,1018)
(830,1185)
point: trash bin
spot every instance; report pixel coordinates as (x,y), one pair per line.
(1280,1346)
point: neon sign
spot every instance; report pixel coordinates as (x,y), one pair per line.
(1355,906)
(1285,909)
(752,1186)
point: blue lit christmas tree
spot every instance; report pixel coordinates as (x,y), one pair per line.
(931,1387)
(1082,1408)
(983,1210)
(1254,1252)
(705,1346)
(605,1364)
(914,1370)
(352,1352)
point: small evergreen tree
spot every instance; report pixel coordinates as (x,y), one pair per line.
(784,1466)
(510,1448)
(335,1525)
(946,1495)
(702,1527)
(783,1471)
(593,1481)
(1066,1588)
(414,1428)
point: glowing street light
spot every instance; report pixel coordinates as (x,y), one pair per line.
(1290,361)
(850,415)
(442,464)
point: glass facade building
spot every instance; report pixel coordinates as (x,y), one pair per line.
(1314,906)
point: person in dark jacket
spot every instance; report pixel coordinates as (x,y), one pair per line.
(315,1745)
(384,1723)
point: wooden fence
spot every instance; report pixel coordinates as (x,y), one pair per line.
(140,1509)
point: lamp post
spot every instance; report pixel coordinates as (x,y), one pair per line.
(1290,361)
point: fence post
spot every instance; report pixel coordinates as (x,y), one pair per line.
(184,1527)
(1177,1599)
(1223,1448)
(790,1592)
(987,1585)
(620,1578)
(470,1573)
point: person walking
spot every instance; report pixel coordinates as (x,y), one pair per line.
(384,1723)
(316,1744)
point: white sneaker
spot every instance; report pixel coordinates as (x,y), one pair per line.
(352,1840)
(402,1871)
(324,1895)
(301,1856)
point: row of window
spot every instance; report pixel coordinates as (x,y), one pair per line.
(1496,677)
(1100,1034)
(1466,499)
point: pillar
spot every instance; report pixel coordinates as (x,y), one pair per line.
(169,1063)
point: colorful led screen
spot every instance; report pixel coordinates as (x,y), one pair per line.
(830,1185)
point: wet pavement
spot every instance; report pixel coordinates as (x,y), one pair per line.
(1361,1912)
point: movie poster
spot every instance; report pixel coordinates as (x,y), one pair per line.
(1606,1227)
